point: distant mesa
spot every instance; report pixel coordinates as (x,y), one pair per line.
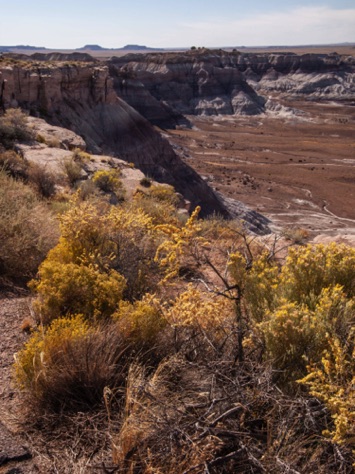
(92,47)
(20,46)
(128,47)
(137,47)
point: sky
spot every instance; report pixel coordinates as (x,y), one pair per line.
(69,24)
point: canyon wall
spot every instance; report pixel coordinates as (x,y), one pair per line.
(82,98)
(166,86)
(113,105)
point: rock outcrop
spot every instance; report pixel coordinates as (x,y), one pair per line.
(164,87)
(311,76)
(82,98)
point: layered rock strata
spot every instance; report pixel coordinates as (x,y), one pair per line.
(166,86)
(82,98)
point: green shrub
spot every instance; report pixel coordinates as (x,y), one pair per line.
(165,194)
(161,212)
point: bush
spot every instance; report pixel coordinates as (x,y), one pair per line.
(295,335)
(332,381)
(27,230)
(73,171)
(108,181)
(14,164)
(68,288)
(14,128)
(80,156)
(310,269)
(160,212)
(140,322)
(69,365)
(145,182)
(42,180)
(97,254)
(165,194)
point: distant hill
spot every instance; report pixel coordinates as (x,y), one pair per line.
(20,46)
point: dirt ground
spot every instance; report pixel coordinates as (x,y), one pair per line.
(296,169)
(15,455)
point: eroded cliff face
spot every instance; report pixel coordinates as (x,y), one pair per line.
(164,87)
(82,98)
(170,85)
(310,76)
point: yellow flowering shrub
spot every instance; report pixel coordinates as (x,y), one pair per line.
(161,212)
(181,247)
(332,380)
(295,334)
(141,321)
(165,194)
(102,256)
(194,308)
(261,287)
(310,269)
(70,288)
(108,180)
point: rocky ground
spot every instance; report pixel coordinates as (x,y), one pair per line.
(295,165)
(15,455)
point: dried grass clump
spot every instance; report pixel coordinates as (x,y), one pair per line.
(14,128)
(14,164)
(68,366)
(42,180)
(216,418)
(27,230)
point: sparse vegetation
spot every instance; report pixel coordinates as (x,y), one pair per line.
(108,181)
(73,171)
(42,180)
(14,128)
(27,230)
(146,182)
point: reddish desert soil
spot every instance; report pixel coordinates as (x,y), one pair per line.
(297,170)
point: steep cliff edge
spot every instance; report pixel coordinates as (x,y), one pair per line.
(82,98)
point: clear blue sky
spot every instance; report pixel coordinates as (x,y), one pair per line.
(176,23)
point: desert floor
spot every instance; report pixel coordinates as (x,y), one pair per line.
(298,169)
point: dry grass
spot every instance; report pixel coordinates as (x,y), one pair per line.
(216,418)
(27,230)
(72,373)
